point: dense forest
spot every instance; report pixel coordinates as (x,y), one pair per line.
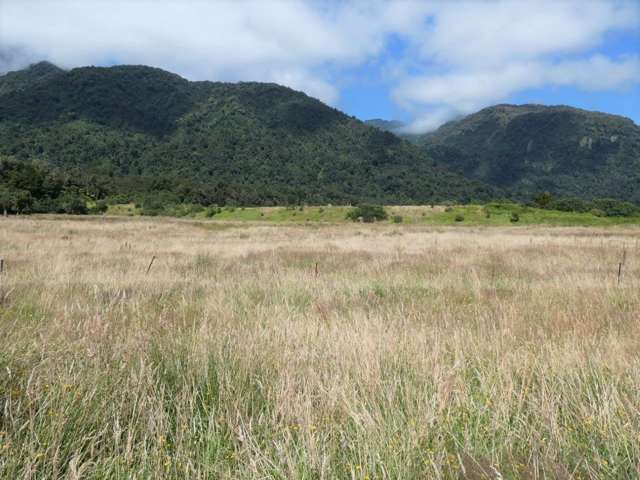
(141,134)
(528,149)
(75,141)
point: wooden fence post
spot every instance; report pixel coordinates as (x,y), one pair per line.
(150,263)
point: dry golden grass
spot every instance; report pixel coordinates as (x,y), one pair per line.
(415,352)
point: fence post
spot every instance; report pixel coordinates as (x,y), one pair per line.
(150,263)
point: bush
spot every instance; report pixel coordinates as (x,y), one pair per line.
(212,211)
(459,218)
(514,218)
(183,209)
(616,208)
(15,200)
(543,200)
(397,219)
(72,202)
(367,213)
(448,209)
(152,207)
(158,203)
(119,199)
(98,208)
(569,205)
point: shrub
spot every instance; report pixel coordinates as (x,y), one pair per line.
(543,200)
(118,199)
(212,211)
(615,208)
(157,203)
(368,213)
(15,200)
(459,218)
(98,207)
(397,219)
(73,202)
(152,207)
(569,205)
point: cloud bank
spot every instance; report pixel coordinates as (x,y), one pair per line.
(479,53)
(456,57)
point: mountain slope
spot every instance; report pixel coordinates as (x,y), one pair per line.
(247,143)
(23,79)
(531,148)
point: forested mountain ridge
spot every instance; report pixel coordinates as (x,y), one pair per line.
(22,79)
(133,130)
(526,149)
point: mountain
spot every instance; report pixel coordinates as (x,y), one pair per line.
(385,125)
(137,129)
(23,79)
(526,149)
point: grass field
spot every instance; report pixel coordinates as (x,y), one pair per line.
(459,215)
(263,350)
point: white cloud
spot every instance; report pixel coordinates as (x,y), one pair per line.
(289,41)
(302,80)
(427,122)
(478,53)
(461,92)
(459,56)
(481,33)
(466,90)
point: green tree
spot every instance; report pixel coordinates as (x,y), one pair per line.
(7,200)
(543,199)
(73,202)
(367,213)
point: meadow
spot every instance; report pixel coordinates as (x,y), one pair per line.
(144,348)
(493,214)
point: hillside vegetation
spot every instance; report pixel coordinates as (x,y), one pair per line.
(533,148)
(491,214)
(135,130)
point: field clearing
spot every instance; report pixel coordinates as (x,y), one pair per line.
(256,350)
(437,215)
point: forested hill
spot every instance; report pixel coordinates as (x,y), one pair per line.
(532,148)
(135,130)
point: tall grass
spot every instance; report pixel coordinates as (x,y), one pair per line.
(415,352)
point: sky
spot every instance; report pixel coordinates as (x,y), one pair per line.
(420,61)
